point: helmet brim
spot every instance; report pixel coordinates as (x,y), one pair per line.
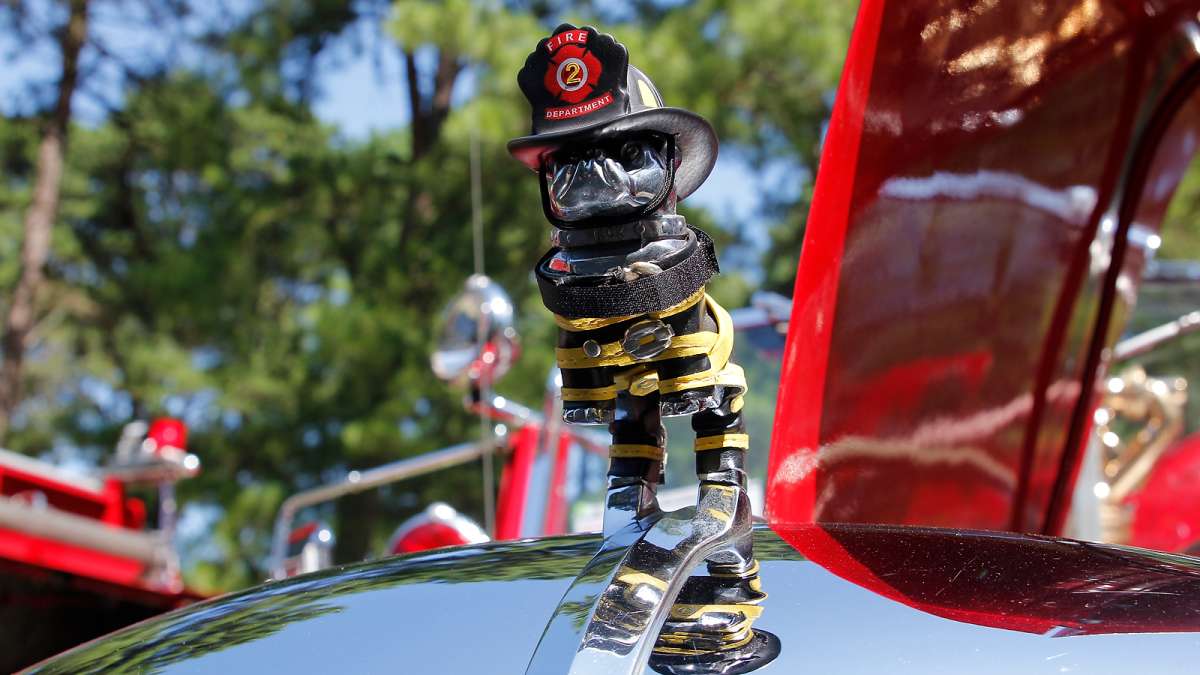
(695,142)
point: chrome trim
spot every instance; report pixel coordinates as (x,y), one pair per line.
(630,511)
(148,548)
(486,306)
(765,309)
(509,412)
(631,583)
(28,464)
(1146,341)
(647,339)
(1172,272)
(658,227)
(501,409)
(359,481)
(316,551)
(155,469)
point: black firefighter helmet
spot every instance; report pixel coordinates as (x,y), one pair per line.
(580,85)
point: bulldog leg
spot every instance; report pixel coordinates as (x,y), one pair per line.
(721,443)
(639,440)
(636,459)
(589,395)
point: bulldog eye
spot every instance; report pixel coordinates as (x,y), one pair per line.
(631,152)
(569,156)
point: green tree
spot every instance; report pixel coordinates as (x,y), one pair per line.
(222,255)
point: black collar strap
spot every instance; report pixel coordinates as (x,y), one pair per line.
(651,229)
(648,294)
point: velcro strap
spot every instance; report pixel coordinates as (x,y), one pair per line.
(648,294)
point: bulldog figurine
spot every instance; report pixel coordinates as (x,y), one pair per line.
(625,278)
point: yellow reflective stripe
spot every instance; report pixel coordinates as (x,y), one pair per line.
(644,384)
(701,341)
(719,515)
(611,354)
(719,356)
(625,377)
(722,441)
(683,382)
(732,377)
(737,403)
(634,578)
(625,450)
(580,325)
(577,325)
(596,394)
(681,611)
(685,304)
(721,371)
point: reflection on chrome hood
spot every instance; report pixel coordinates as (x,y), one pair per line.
(883,599)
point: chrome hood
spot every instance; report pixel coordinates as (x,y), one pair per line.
(883,599)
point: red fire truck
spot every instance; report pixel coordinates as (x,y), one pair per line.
(78,558)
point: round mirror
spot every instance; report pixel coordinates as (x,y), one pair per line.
(477,337)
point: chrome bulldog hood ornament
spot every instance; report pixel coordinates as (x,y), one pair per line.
(639,339)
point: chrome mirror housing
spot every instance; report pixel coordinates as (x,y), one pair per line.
(476,338)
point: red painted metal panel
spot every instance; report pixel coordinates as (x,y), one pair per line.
(84,562)
(556,503)
(1041,585)
(956,283)
(108,505)
(1166,511)
(514,484)
(791,489)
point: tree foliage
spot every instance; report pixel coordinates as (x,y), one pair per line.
(222,254)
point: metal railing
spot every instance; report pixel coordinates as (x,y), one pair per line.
(149,548)
(1146,341)
(360,481)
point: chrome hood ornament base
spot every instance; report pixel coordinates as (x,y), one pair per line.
(610,618)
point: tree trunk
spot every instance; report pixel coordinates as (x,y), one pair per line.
(39,219)
(427,114)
